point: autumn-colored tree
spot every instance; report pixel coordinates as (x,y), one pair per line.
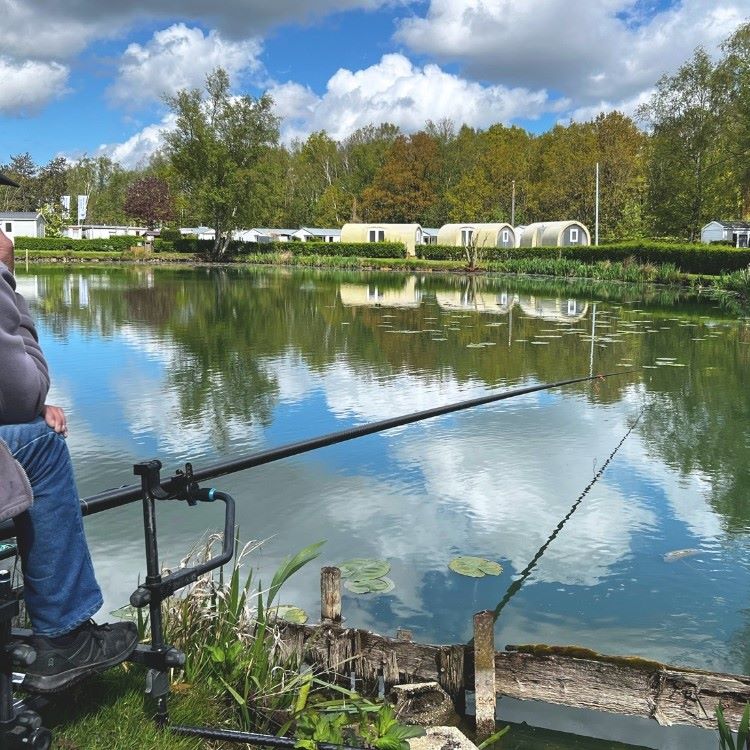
(403,188)
(148,200)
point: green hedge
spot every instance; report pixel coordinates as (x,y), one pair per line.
(689,258)
(344,249)
(448,252)
(297,249)
(66,244)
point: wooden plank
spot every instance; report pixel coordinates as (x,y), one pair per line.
(330,594)
(485,694)
(567,676)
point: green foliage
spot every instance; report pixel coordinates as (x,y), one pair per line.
(216,150)
(229,641)
(726,738)
(360,723)
(66,244)
(444,252)
(170,234)
(493,738)
(344,249)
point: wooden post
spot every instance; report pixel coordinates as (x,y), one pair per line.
(484,673)
(330,595)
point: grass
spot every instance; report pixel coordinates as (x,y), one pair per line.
(107,713)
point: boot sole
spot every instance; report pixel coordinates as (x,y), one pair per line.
(57,682)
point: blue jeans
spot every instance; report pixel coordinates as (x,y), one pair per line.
(60,589)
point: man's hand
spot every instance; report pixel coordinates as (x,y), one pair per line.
(6,251)
(54,416)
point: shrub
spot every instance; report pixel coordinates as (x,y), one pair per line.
(345,249)
(66,244)
(170,234)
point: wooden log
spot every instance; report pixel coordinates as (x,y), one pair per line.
(484,673)
(330,594)
(567,676)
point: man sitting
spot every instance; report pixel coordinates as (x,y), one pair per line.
(60,589)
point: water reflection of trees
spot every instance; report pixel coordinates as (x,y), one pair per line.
(223,326)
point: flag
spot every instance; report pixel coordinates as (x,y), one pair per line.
(65,202)
(83,201)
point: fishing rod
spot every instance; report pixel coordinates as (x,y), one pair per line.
(515,587)
(20,725)
(117,497)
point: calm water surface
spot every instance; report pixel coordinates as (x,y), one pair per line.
(205,364)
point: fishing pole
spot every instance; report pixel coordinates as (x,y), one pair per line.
(515,587)
(117,497)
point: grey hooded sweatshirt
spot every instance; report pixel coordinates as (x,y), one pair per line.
(24,382)
(24,377)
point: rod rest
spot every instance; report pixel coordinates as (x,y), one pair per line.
(161,589)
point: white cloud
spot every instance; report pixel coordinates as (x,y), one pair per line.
(176,58)
(589,51)
(27,86)
(137,149)
(395,90)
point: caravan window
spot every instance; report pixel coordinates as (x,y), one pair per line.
(8,226)
(466,237)
(574,234)
(376,235)
(506,235)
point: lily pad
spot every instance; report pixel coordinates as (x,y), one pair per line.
(363,568)
(369,585)
(475,567)
(290,613)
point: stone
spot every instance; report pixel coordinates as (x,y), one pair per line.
(424,703)
(442,738)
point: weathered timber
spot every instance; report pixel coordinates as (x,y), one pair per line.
(330,594)
(567,676)
(484,674)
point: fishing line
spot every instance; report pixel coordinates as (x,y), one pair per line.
(526,572)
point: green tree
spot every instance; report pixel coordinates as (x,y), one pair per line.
(685,113)
(403,189)
(215,150)
(734,76)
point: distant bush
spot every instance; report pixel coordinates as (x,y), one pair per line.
(170,234)
(345,249)
(66,244)
(688,258)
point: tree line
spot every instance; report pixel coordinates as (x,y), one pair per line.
(682,161)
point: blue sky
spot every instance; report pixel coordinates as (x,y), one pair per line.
(89,76)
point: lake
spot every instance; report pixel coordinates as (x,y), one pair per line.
(208,363)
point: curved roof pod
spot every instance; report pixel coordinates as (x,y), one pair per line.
(529,235)
(409,234)
(565,233)
(369,295)
(481,301)
(491,235)
(557,310)
(450,234)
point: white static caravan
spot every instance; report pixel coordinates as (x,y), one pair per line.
(22,224)
(202,233)
(276,235)
(102,231)
(313,234)
(409,234)
(736,232)
(481,234)
(553,234)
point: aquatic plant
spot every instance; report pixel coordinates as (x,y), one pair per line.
(726,737)
(475,567)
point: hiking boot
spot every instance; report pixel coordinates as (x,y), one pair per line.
(91,648)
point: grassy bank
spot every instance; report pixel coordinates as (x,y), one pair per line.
(733,286)
(235,676)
